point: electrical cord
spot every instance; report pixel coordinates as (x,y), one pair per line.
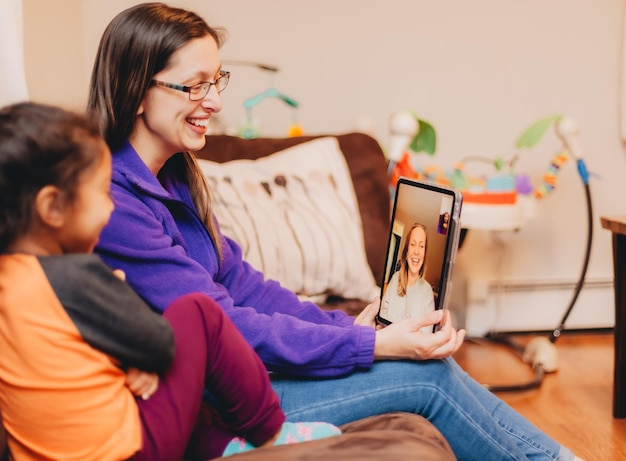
(582,171)
(538,368)
(539,361)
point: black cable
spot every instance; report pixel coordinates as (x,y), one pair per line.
(503,338)
(581,280)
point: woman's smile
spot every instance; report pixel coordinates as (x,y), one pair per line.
(415,255)
(199,125)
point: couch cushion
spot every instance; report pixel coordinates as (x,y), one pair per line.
(388,437)
(296,217)
(368,169)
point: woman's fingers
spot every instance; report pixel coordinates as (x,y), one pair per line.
(120,274)
(404,339)
(367,316)
(141,383)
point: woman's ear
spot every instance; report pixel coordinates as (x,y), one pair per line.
(50,206)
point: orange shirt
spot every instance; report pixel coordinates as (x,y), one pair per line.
(60,397)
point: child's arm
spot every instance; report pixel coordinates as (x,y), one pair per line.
(109,315)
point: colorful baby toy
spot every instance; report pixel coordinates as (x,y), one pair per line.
(501,187)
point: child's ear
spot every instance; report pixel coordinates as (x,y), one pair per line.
(50,206)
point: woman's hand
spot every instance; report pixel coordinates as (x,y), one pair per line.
(404,340)
(367,317)
(142,383)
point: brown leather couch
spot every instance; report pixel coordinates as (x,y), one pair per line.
(389,437)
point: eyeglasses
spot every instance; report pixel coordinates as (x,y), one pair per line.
(200,90)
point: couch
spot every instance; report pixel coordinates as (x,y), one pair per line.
(386,437)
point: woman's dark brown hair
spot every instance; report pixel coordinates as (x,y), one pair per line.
(137,44)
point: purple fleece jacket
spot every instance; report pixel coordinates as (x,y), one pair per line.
(157,238)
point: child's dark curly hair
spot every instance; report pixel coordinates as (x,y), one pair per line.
(40,145)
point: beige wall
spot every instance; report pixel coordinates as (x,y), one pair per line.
(53,49)
(479,70)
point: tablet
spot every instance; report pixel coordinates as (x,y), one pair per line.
(421,249)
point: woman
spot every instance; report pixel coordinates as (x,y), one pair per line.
(408,294)
(155,85)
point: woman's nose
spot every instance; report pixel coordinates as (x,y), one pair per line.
(212,100)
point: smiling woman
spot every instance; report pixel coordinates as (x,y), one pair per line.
(408,294)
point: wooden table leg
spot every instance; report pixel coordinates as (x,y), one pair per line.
(619,379)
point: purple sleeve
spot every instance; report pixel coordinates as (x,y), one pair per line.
(268,296)
(289,336)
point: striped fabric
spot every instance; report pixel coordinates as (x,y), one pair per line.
(295,215)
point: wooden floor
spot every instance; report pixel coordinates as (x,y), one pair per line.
(573,404)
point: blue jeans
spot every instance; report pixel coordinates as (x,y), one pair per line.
(476,423)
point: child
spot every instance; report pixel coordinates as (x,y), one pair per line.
(78,345)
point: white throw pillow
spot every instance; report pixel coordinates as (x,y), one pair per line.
(295,215)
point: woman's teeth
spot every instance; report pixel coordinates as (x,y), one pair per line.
(201,122)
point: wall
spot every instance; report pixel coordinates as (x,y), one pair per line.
(53,43)
(12,75)
(479,71)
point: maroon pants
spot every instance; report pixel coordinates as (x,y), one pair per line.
(211,354)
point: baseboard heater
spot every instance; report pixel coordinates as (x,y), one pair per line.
(511,286)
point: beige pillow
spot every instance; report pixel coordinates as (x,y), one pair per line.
(295,215)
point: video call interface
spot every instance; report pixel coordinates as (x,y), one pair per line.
(432,211)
